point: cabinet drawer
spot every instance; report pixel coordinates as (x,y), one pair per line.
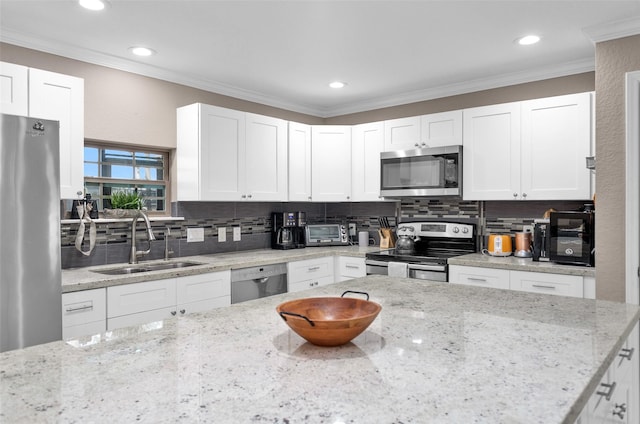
(476,276)
(351,267)
(205,286)
(140,297)
(87,329)
(309,284)
(537,282)
(310,269)
(82,307)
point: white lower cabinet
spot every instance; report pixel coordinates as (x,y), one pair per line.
(348,267)
(533,282)
(84,313)
(617,397)
(139,303)
(477,276)
(309,273)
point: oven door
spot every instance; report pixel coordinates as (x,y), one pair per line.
(428,272)
(377,267)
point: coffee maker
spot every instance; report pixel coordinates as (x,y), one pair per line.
(288,230)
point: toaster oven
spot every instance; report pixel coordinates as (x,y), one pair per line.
(326,235)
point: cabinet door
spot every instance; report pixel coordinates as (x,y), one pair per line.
(367,143)
(556,139)
(61,98)
(309,269)
(299,162)
(481,277)
(14,89)
(141,297)
(83,313)
(538,282)
(491,152)
(441,129)
(194,288)
(222,149)
(331,163)
(402,133)
(265,158)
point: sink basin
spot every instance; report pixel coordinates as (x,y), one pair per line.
(134,269)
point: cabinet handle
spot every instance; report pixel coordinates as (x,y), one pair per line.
(609,390)
(626,353)
(244,196)
(541,286)
(515,195)
(249,196)
(348,197)
(80,308)
(477,279)
(524,195)
(352,266)
(183,311)
(309,197)
(173,313)
(314,268)
(619,410)
(416,145)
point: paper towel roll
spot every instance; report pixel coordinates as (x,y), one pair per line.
(363,238)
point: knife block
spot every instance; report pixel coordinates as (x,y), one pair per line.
(387,239)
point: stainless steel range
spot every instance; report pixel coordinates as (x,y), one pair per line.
(426,258)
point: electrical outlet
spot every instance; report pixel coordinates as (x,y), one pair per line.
(195,235)
(222,234)
(527,228)
(352,229)
(236,234)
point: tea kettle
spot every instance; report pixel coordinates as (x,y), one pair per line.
(406,240)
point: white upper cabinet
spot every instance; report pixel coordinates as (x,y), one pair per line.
(556,132)
(366,144)
(532,150)
(331,163)
(14,89)
(227,155)
(491,152)
(49,95)
(441,129)
(299,162)
(402,133)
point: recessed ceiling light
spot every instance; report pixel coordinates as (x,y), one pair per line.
(142,51)
(337,84)
(92,4)
(527,40)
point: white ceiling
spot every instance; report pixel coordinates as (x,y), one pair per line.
(285,53)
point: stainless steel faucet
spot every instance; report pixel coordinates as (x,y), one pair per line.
(133,257)
(167,251)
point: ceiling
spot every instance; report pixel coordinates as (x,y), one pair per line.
(285,53)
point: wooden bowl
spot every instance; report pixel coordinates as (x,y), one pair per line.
(329,321)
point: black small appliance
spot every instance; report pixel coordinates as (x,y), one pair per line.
(288,230)
(541,234)
(572,237)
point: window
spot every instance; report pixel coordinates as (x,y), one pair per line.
(109,169)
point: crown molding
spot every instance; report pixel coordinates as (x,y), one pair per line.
(101,59)
(612,30)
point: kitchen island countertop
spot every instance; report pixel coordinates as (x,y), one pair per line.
(437,353)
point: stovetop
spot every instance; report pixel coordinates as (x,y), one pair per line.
(423,258)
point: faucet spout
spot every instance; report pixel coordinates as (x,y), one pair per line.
(133,257)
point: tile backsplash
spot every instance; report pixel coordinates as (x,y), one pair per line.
(254,219)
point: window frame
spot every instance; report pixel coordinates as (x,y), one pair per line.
(135,148)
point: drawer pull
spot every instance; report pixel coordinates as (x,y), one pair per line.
(314,268)
(609,390)
(353,266)
(542,286)
(626,353)
(482,280)
(80,308)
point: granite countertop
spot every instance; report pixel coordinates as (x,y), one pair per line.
(521,264)
(437,353)
(85,278)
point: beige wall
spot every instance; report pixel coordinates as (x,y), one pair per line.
(613,59)
(123,107)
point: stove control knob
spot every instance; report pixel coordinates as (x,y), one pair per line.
(465,230)
(456,230)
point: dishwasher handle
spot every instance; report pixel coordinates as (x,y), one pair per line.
(261,280)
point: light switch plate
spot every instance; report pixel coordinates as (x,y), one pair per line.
(195,235)
(222,234)
(236,234)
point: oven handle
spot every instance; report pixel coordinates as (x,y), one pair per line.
(422,267)
(376,263)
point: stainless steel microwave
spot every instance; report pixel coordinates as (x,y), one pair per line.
(435,171)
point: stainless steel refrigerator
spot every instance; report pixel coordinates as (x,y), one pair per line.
(30,276)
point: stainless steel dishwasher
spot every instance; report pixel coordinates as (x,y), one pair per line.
(258,281)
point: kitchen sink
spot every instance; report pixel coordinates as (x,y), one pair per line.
(134,269)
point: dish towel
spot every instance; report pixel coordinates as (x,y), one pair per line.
(84,210)
(398,269)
